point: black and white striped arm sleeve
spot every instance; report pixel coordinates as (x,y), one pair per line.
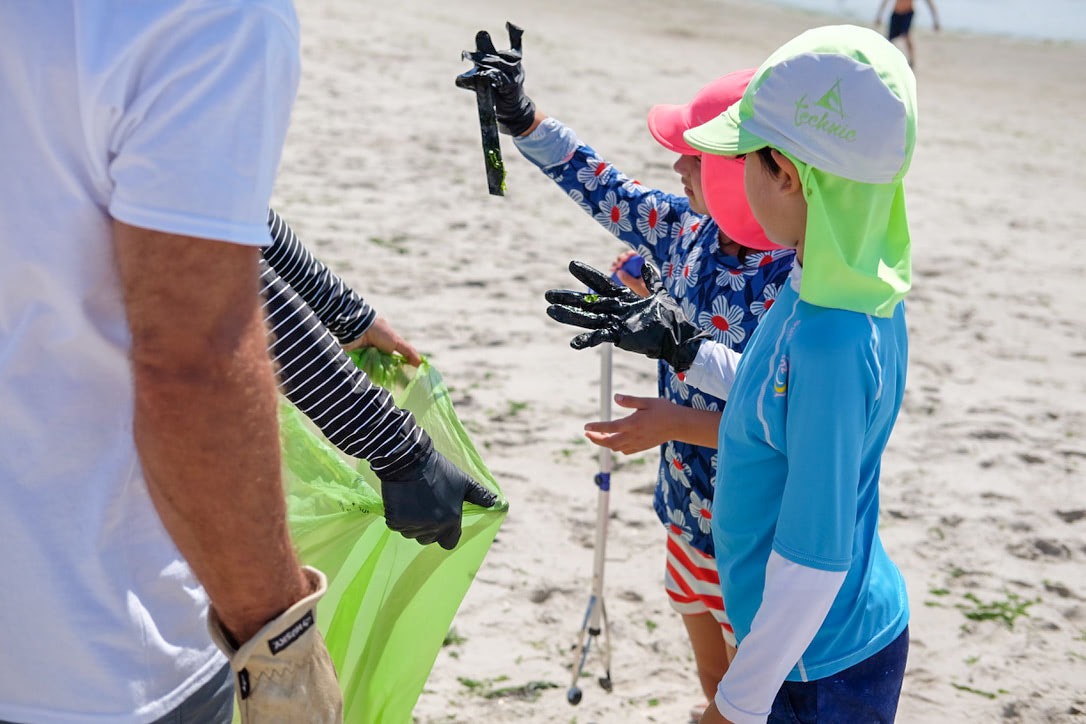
(315,374)
(342,310)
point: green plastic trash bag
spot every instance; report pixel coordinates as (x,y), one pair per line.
(390,600)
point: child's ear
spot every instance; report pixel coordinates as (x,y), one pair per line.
(788,178)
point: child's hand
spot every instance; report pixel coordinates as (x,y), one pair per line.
(504,70)
(654,326)
(635,283)
(649,426)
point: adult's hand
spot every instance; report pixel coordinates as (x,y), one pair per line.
(382,336)
(425,501)
(284,672)
(654,326)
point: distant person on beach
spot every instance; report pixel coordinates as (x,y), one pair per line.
(724,271)
(901,21)
(827,127)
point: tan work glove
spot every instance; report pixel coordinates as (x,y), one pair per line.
(283,674)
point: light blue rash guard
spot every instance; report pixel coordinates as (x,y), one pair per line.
(815,398)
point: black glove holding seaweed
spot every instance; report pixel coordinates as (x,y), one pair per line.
(505,73)
(654,326)
(424,500)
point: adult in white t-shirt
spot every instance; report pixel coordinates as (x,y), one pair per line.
(140,142)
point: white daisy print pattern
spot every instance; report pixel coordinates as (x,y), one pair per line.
(701,510)
(698,402)
(689,310)
(677,383)
(685,275)
(769,296)
(688,224)
(677,519)
(762,258)
(650,218)
(734,278)
(614,214)
(597,173)
(671,273)
(667,271)
(631,185)
(675,465)
(578,198)
(725,321)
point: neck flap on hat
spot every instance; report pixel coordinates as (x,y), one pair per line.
(857,252)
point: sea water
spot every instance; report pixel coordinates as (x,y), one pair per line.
(1036,19)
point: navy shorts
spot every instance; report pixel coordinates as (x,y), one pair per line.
(866,693)
(213,703)
(900,24)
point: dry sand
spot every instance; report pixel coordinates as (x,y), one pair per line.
(983,501)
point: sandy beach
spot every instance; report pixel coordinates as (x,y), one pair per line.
(983,503)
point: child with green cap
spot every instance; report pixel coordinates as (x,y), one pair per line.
(827,125)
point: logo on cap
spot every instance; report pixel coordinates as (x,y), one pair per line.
(831,102)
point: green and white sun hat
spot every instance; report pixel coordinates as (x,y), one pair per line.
(840,102)
(840,98)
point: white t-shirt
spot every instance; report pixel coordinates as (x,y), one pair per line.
(168,115)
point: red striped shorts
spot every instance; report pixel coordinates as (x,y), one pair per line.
(692,582)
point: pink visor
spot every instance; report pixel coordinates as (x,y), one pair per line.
(721,176)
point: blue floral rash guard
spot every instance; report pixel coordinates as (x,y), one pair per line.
(722,294)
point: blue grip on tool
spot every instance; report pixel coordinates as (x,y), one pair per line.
(631,266)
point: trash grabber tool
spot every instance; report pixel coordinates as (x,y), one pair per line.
(595,616)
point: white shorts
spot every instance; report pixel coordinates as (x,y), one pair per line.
(693,584)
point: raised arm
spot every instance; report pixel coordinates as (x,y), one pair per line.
(646,219)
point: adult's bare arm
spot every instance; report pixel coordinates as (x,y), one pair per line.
(205,418)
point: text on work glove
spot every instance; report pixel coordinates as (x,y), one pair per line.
(284,673)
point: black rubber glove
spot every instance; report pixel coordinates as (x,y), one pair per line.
(505,73)
(654,326)
(425,500)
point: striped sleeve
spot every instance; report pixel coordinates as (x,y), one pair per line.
(316,375)
(338,307)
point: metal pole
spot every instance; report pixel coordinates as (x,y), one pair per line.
(595,619)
